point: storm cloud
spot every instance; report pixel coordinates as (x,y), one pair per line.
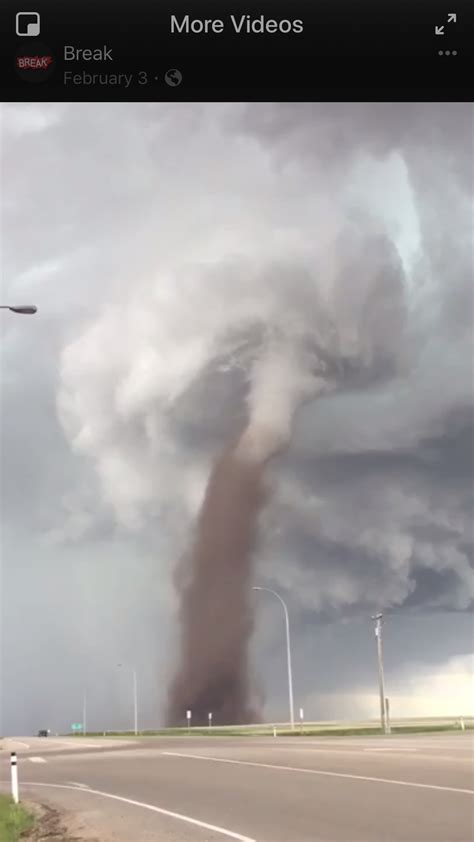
(179,240)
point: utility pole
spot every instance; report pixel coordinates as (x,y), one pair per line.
(378,634)
(135,700)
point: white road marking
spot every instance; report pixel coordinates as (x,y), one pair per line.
(19,743)
(391,748)
(331,751)
(88,745)
(223,830)
(318,772)
(356,746)
(55,743)
(37,760)
(75,783)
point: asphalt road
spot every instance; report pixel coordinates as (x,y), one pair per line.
(191,789)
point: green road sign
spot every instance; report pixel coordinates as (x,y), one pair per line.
(76,726)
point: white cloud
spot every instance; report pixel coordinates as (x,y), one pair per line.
(446,690)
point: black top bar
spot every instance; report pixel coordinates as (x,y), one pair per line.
(301,49)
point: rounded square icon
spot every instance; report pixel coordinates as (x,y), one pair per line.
(27,24)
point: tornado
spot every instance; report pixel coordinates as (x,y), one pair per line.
(216,619)
(215,613)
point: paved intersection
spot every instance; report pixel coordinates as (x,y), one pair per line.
(191,789)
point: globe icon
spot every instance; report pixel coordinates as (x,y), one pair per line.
(173,77)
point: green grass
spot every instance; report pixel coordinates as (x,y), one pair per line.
(364,732)
(180,732)
(14,820)
(412,729)
(284,731)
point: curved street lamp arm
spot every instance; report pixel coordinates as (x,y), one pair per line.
(288,649)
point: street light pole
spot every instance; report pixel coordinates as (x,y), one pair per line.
(24,309)
(378,634)
(84,715)
(288,651)
(135,700)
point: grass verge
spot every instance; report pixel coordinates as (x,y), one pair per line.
(320,731)
(14,820)
(366,732)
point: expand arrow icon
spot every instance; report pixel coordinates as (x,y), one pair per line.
(452,17)
(439,30)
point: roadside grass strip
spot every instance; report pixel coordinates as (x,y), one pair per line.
(14,820)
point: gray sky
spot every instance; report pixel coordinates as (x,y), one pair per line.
(160,243)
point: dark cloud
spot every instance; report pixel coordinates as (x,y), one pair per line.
(177,238)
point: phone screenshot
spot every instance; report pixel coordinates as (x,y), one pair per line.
(237,426)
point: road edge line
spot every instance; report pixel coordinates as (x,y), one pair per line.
(216,828)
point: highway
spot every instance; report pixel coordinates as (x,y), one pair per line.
(416,788)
